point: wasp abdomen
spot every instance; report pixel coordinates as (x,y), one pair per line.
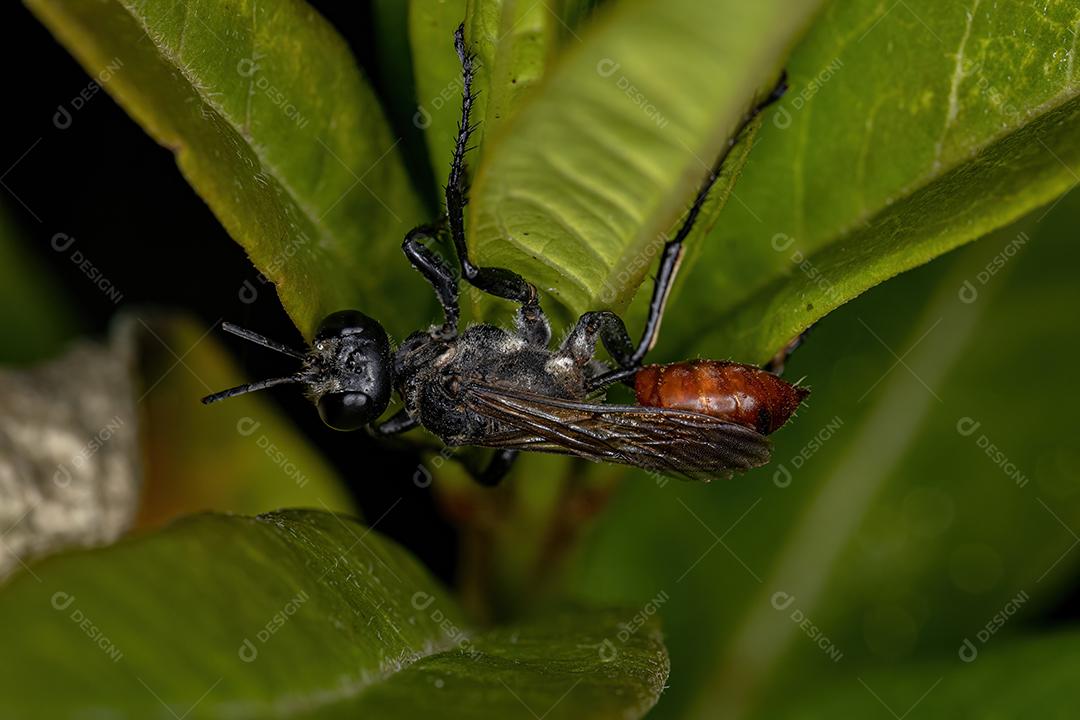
(743,394)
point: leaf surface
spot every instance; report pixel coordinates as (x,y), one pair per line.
(908,130)
(297,614)
(575,190)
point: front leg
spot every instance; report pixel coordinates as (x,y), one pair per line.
(778,361)
(396,424)
(602,325)
(609,329)
(436,272)
(497,467)
(532,326)
(496,281)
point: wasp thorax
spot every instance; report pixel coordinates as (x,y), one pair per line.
(352,370)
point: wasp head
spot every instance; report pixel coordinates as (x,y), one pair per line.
(349,364)
(346,373)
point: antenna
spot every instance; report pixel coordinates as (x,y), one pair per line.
(262,340)
(269,344)
(252,387)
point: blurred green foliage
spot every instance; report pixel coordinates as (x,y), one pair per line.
(35,318)
(929,480)
(243,456)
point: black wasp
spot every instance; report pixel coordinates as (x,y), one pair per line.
(492,387)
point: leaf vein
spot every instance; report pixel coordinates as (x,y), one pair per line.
(953,110)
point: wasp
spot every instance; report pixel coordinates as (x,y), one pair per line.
(510,390)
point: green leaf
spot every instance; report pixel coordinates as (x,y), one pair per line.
(896,535)
(277,130)
(296,614)
(605,157)
(243,456)
(1032,678)
(572,665)
(908,130)
(514,43)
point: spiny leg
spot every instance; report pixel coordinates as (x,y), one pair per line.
(672,253)
(673,250)
(436,272)
(776,363)
(497,467)
(496,281)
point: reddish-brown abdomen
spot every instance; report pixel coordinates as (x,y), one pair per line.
(742,394)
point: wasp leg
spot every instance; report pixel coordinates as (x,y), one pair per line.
(436,272)
(397,423)
(532,325)
(602,325)
(496,281)
(673,249)
(497,467)
(776,364)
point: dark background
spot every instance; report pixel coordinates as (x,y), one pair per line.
(103,181)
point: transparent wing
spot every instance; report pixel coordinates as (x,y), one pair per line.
(672,442)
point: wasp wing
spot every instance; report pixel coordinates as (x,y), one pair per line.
(673,442)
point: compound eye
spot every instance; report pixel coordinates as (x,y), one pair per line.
(347,410)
